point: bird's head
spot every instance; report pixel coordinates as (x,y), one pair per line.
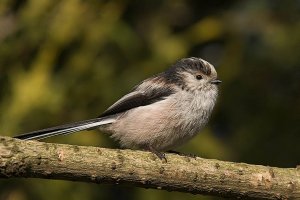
(193,74)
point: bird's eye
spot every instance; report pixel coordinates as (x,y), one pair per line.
(198,77)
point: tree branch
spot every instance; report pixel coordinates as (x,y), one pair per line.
(32,159)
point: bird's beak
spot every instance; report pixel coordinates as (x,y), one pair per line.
(216,82)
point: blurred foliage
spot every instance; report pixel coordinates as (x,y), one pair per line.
(63,61)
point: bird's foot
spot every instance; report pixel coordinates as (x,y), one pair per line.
(159,154)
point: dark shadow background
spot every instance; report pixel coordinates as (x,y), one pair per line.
(63,61)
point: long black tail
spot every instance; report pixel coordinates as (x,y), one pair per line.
(65,129)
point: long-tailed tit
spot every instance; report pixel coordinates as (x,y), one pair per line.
(159,114)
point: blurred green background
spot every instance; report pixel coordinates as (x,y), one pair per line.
(63,61)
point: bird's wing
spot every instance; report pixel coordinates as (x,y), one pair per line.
(138,98)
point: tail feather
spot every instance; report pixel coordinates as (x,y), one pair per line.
(65,129)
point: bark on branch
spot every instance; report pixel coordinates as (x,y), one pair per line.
(32,159)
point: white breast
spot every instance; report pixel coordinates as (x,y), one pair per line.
(195,111)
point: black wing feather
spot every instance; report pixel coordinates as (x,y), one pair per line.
(139,99)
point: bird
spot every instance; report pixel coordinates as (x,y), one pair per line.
(159,114)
